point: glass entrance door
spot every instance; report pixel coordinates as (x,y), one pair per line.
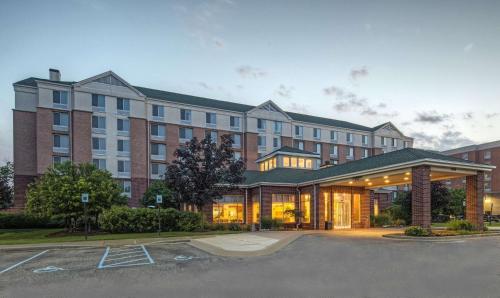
(342,211)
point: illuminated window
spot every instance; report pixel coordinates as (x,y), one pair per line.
(375,207)
(228,210)
(326,196)
(286,161)
(308,163)
(261,166)
(305,207)
(293,162)
(255,210)
(356,208)
(283,207)
(301,163)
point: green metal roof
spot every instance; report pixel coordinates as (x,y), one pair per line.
(292,176)
(32,82)
(327,121)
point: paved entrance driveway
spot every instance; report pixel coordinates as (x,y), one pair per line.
(317,265)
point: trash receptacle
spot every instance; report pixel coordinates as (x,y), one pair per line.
(328,225)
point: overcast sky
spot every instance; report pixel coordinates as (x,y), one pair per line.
(430,67)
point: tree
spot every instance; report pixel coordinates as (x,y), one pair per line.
(203,171)
(6,185)
(440,200)
(457,202)
(159,187)
(58,193)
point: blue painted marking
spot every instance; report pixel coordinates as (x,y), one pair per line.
(147,254)
(101,263)
(125,257)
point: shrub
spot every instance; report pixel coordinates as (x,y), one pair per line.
(266,223)
(416,231)
(188,221)
(26,221)
(380,220)
(398,222)
(234,227)
(460,225)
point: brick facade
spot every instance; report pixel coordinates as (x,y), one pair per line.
(44,139)
(421,197)
(474,200)
(81,144)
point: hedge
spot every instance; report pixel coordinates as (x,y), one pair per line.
(129,220)
(26,221)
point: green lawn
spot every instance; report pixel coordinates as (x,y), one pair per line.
(486,224)
(34,236)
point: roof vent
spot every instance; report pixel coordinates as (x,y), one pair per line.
(54,74)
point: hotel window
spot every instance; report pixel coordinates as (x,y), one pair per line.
(350,153)
(59,159)
(309,164)
(98,102)
(465,156)
(60,99)
(61,143)
(334,135)
(261,141)
(211,119)
(293,162)
(334,150)
(229,209)
(365,153)
(286,161)
(255,210)
(334,161)
(236,155)
(236,140)
(98,124)
(317,148)
(158,151)
(394,142)
(283,207)
(406,144)
(158,169)
(99,163)
(305,207)
(158,111)
(317,133)
(126,187)
(298,144)
(123,147)
(185,116)
(123,126)
(60,121)
(212,134)
(375,207)
(299,131)
(158,131)
(276,142)
(185,134)
(267,164)
(487,154)
(234,122)
(383,141)
(349,137)
(326,197)
(261,124)
(124,167)
(99,145)
(356,208)
(364,139)
(277,127)
(122,105)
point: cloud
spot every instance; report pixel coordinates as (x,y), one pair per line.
(431,117)
(469,47)
(468,116)
(246,71)
(284,91)
(448,140)
(204,85)
(298,108)
(492,115)
(358,73)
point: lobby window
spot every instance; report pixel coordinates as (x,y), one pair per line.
(364,139)
(277,127)
(334,150)
(99,163)
(123,147)
(234,122)
(317,133)
(267,164)
(356,208)
(212,134)
(123,168)
(465,156)
(158,112)
(349,137)
(299,131)
(334,135)
(283,207)
(365,153)
(276,142)
(298,144)
(60,121)
(158,169)
(60,99)
(305,207)
(158,131)
(122,105)
(375,207)
(261,142)
(185,134)
(394,142)
(255,210)
(98,124)
(236,141)
(317,148)
(98,103)
(123,127)
(487,155)
(326,198)
(126,187)
(99,145)
(261,124)
(211,119)
(61,143)
(185,116)
(158,151)
(383,141)
(59,159)
(350,153)
(229,209)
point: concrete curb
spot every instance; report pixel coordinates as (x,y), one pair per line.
(439,238)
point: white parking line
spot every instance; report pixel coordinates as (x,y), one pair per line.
(133,256)
(22,262)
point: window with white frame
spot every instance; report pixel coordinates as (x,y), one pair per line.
(61,143)
(123,126)
(298,144)
(317,148)
(98,102)
(277,127)
(59,159)
(406,144)
(213,135)
(60,121)
(124,167)
(261,142)
(123,147)
(365,153)
(350,153)
(364,139)
(236,138)
(261,124)
(185,133)
(98,145)
(185,116)
(126,187)
(394,142)
(99,163)
(299,131)
(487,154)
(383,141)
(334,135)
(237,155)
(276,142)
(334,150)
(122,105)
(158,151)
(158,111)
(158,131)
(317,133)
(98,124)
(465,156)
(60,99)
(158,169)
(234,122)
(211,119)
(349,137)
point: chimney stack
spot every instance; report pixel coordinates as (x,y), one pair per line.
(54,74)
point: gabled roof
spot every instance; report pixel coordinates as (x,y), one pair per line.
(272,105)
(290,150)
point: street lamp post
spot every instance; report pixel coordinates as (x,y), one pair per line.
(159,201)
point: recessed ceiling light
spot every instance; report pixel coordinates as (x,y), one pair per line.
(369,183)
(350,182)
(385,177)
(407,173)
(366,180)
(386,181)
(406,178)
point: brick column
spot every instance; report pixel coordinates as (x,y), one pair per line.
(138,159)
(421,197)
(366,199)
(474,200)
(320,206)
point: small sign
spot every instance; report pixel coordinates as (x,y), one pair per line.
(159,199)
(85,197)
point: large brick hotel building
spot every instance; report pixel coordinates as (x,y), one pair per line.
(132,132)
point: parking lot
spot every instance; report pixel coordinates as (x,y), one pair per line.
(333,265)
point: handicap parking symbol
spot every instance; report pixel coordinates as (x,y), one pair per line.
(183,258)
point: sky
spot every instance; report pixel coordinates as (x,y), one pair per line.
(430,67)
